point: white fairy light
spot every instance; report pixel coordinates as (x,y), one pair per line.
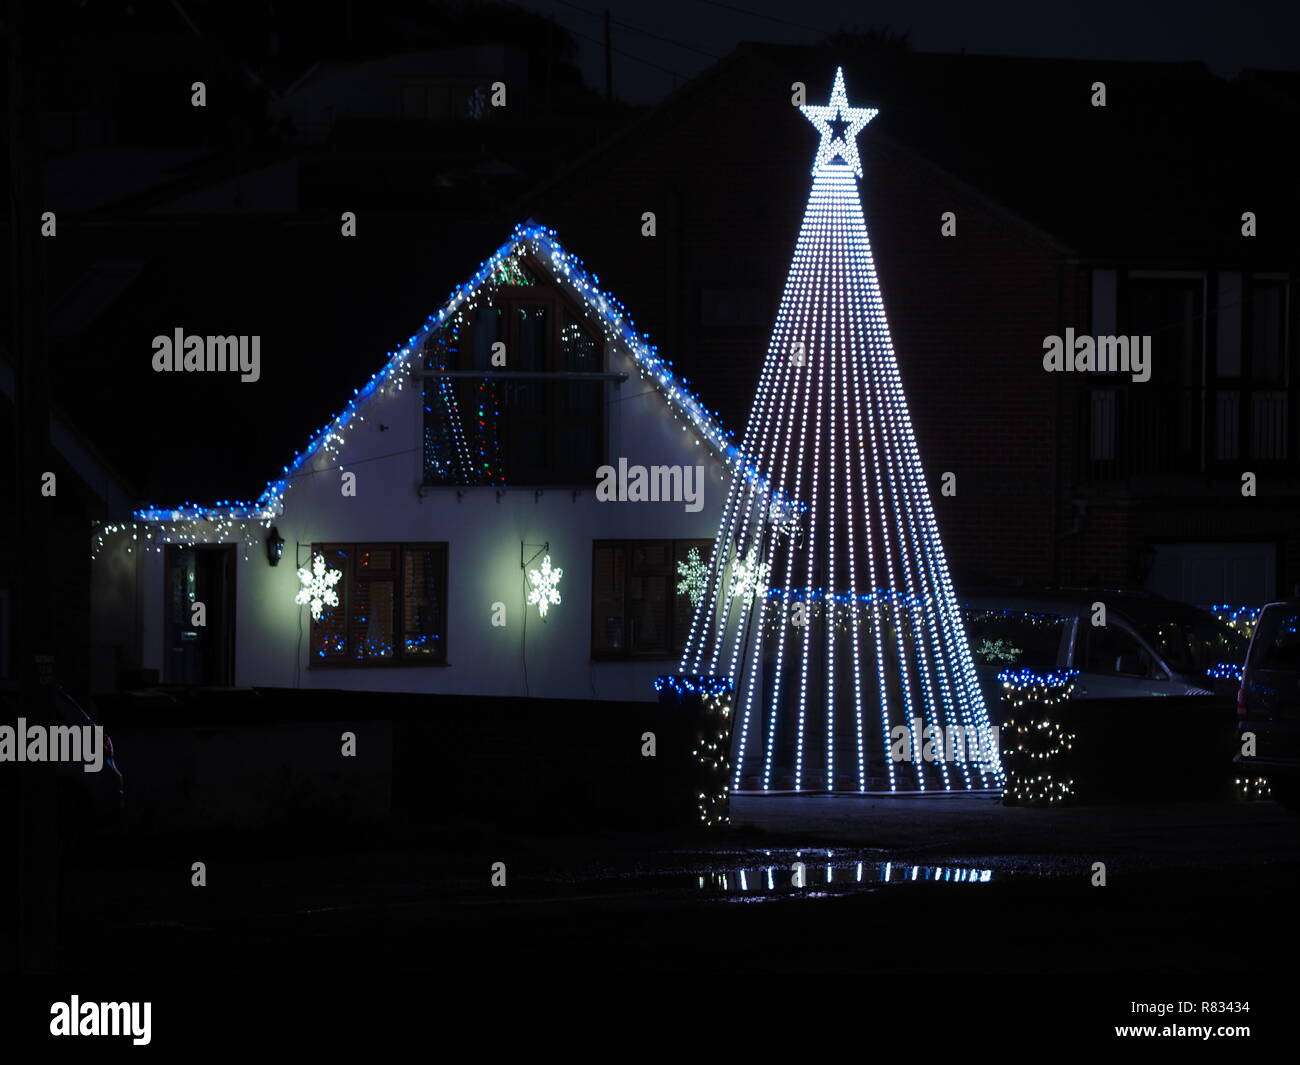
(749,576)
(861,608)
(192,523)
(693,573)
(545,586)
(839,124)
(318,586)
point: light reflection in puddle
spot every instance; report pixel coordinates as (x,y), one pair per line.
(799,874)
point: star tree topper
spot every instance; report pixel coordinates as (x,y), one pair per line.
(839,124)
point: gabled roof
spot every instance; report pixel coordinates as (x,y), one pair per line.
(567,271)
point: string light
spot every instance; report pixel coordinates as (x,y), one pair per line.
(1252,789)
(1035,741)
(1240,619)
(710,752)
(1225,671)
(835,633)
(191,523)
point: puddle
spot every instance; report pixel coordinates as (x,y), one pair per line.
(753,876)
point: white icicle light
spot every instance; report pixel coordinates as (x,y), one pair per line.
(829,431)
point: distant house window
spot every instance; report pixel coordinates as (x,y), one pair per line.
(513,425)
(1154,426)
(392,606)
(1252,388)
(443,101)
(1266,365)
(635,608)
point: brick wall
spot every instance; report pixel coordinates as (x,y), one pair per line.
(726,169)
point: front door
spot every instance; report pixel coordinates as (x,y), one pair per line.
(200,628)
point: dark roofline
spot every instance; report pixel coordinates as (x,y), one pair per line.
(102,478)
(757,51)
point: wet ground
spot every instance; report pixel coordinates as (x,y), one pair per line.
(900,905)
(840,883)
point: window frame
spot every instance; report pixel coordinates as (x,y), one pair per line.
(557,303)
(397,575)
(675,647)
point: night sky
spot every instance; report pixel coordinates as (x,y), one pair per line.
(659,46)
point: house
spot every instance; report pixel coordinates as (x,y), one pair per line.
(525,432)
(78,487)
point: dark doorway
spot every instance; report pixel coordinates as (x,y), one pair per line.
(200,653)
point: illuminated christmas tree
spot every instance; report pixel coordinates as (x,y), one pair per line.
(828,600)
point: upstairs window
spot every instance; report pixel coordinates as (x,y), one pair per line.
(1252,387)
(533,417)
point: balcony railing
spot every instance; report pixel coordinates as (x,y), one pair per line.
(1135,430)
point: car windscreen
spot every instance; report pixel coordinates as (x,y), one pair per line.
(1277,639)
(1191,642)
(1014,638)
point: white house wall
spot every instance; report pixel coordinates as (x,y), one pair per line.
(528,656)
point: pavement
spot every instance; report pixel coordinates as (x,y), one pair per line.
(823,868)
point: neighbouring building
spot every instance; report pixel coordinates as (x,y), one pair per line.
(1124,219)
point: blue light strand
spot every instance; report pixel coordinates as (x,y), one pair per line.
(568,270)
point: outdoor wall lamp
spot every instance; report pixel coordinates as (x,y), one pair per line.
(274,546)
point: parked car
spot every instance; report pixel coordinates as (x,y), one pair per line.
(87,802)
(1268,701)
(1149,646)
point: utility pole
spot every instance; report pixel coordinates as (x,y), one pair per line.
(609,62)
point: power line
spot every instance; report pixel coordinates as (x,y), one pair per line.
(759,14)
(628,55)
(637,29)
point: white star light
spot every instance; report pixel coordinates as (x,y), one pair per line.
(839,124)
(318,586)
(545,586)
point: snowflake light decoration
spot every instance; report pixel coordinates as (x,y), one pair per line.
(783,516)
(749,576)
(318,586)
(998,651)
(545,586)
(694,574)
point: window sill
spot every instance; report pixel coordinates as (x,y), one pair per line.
(520,486)
(648,656)
(377,665)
